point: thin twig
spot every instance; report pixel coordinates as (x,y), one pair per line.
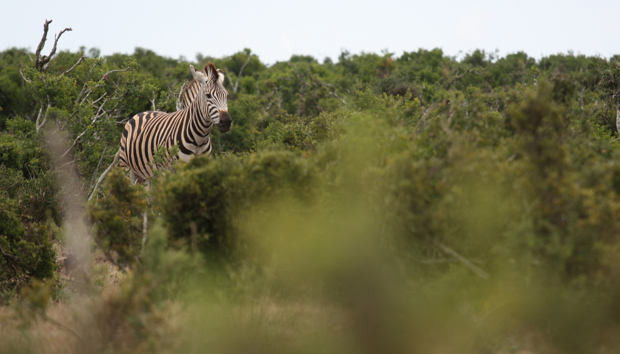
(38,125)
(105,173)
(470,70)
(65,164)
(95,118)
(481,273)
(104,76)
(27,54)
(75,141)
(228,77)
(8,254)
(24,77)
(424,115)
(85,86)
(82,58)
(240,72)
(98,99)
(439,260)
(98,165)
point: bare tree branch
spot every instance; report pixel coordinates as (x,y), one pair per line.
(458,77)
(104,76)
(424,115)
(535,77)
(581,97)
(228,76)
(92,179)
(27,54)
(241,71)
(42,61)
(441,260)
(23,77)
(75,141)
(85,86)
(105,173)
(38,123)
(153,101)
(82,58)
(479,272)
(38,118)
(65,164)
(95,118)
(331,92)
(100,98)
(56,38)
(37,57)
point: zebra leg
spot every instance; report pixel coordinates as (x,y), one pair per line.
(133,177)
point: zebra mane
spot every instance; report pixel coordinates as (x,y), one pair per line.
(183,101)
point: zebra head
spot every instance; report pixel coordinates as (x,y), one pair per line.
(211,82)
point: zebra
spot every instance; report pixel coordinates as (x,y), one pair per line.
(205,103)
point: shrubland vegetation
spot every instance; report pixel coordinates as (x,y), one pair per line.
(375,203)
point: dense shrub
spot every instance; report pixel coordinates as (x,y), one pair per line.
(202,199)
(30,207)
(118,218)
(24,251)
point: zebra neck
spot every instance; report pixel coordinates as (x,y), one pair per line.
(199,115)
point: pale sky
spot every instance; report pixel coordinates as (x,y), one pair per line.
(275,30)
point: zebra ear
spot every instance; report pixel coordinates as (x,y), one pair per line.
(211,71)
(220,75)
(198,75)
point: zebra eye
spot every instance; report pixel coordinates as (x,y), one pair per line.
(208,95)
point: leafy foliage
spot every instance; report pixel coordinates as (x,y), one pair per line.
(118,218)
(24,251)
(205,217)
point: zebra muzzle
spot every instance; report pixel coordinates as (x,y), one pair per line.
(225,122)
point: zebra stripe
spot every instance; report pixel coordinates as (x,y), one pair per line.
(189,128)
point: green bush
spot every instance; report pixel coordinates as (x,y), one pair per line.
(26,174)
(202,199)
(117,217)
(25,252)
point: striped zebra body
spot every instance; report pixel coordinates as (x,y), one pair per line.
(189,128)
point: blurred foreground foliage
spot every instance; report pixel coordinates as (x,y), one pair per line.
(374,204)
